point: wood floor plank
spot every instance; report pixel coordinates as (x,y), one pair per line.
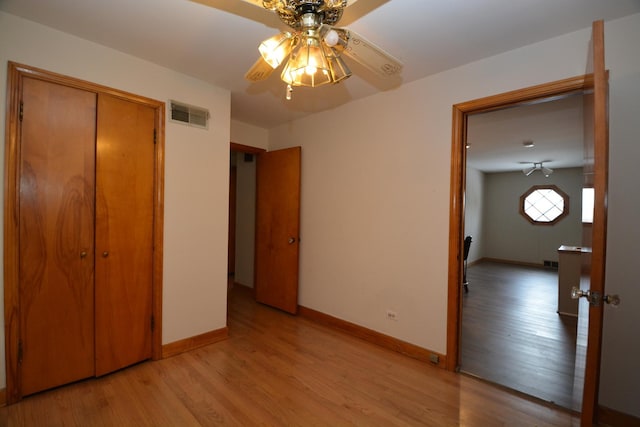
(512,334)
(277,369)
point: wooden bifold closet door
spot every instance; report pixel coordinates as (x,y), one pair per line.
(124,232)
(85,207)
(56,210)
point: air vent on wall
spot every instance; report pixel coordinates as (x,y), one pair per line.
(190,115)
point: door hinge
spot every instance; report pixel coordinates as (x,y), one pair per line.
(155,136)
(20,352)
(21,112)
(153,323)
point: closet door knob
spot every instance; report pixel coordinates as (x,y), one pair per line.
(105,254)
(83,254)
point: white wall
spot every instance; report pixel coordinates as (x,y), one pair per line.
(196,167)
(375,232)
(509,236)
(474,212)
(246,134)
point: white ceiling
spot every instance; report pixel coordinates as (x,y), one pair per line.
(556,128)
(216,40)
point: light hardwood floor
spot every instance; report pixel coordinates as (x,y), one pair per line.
(513,336)
(278,369)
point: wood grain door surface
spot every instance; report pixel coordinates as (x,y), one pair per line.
(86,209)
(124,232)
(600,150)
(56,235)
(278,228)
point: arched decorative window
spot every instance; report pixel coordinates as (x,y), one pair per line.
(544,204)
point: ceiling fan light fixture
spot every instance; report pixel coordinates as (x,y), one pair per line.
(335,38)
(538,167)
(308,64)
(339,68)
(331,38)
(276,49)
(312,50)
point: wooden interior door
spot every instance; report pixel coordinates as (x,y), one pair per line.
(124,232)
(278,228)
(56,194)
(600,152)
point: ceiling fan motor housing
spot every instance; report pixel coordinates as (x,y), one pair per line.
(292,12)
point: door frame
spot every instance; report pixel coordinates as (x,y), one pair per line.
(526,96)
(15,73)
(247,149)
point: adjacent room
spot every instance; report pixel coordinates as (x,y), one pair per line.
(530,237)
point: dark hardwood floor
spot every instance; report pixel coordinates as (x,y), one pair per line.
(277,369)
(513,336)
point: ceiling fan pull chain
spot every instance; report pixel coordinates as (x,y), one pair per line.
(289,92)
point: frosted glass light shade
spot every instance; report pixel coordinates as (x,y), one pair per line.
(276,49)
(339,69)
(308,64)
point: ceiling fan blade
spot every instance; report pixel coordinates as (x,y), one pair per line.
(259,71)
(254,2)
(357,9)
(372,56)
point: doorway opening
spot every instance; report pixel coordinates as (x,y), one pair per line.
(461,113)
(242,214)
(514,331)
(272,232)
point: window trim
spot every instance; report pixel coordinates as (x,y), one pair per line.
(535,188)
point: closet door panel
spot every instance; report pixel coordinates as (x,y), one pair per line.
(124,232)
(56,210)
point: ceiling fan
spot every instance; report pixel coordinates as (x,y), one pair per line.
(538,166)
(311,49)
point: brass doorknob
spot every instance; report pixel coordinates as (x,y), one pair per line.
(595,298)
(105,254)
(613,300)
(83,254)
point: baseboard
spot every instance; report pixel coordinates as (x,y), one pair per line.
(612,417)
(373,337)
(508,261)
(194,342)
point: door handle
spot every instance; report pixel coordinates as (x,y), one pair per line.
(594,298)
(105,254)
(83,254)
(577,293)
(613,300)
(292,240)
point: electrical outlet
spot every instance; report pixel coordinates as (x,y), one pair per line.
(392,315)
